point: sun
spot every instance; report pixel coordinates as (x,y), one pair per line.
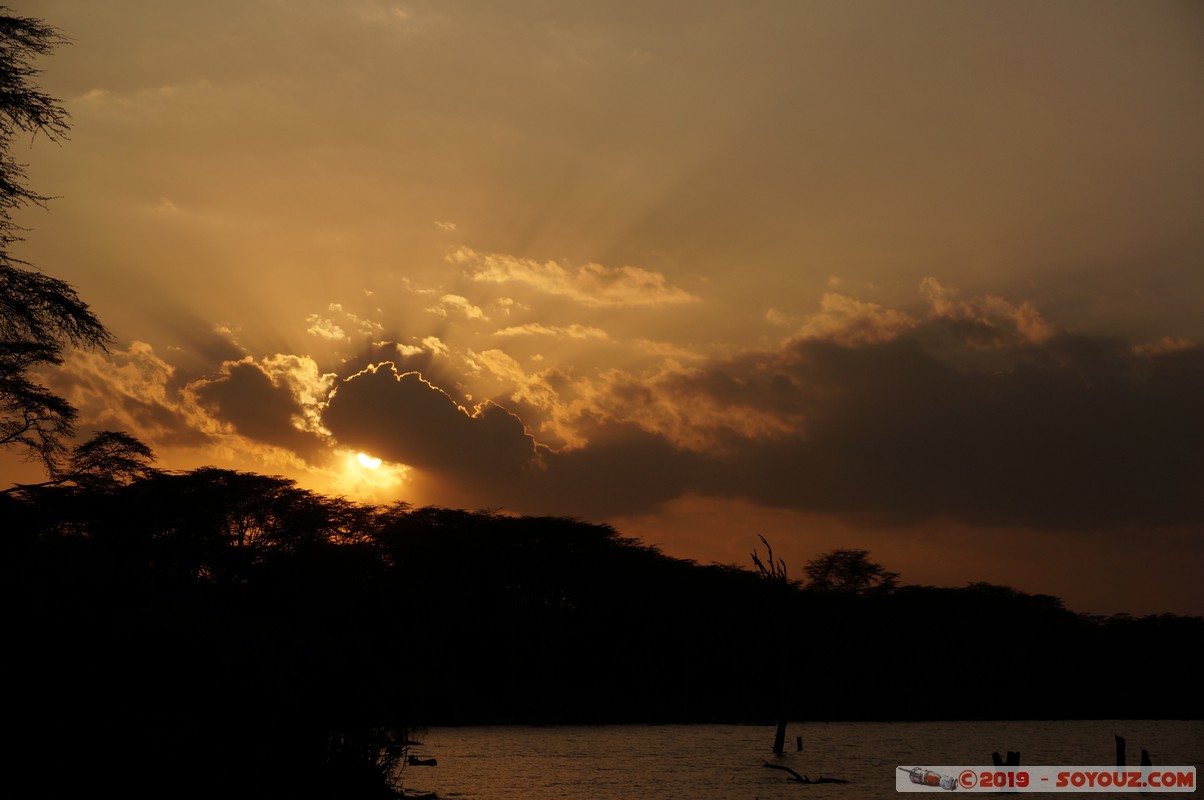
(365,477)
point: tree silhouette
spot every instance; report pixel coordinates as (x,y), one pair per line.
(23,108)
(40,316)
(849,571)
(106,461)
(278,638)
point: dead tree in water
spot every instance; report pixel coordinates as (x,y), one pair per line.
(1120,753)
(1013,759)
(802,778)
(775,571)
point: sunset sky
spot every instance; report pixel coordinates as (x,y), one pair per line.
(923,278)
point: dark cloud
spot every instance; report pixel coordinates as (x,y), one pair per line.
(258,408)
(1075,432)
(981,413)
(947,420)
(624,470)
(403,418)
(412,357)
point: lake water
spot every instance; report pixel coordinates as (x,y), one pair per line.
(713,762)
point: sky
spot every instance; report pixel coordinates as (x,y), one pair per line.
(922,278)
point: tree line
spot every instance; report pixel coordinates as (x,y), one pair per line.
(286,640)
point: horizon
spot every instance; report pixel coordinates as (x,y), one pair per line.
(922,281)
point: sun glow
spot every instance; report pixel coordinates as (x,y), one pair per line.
(367,478)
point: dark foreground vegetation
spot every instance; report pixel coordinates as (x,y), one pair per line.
(222,633)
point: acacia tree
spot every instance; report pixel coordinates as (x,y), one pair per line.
(849,571)
(40,316)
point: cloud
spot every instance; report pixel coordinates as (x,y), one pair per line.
(978,411)
(409,285)
(363,325)
(574,331)
(689,409)
(972,409)
(260,414)
(775,317)
(129,390)
(332,328)
(324,328)
(393,16)
(456,303)
(501,365)
(993,321)
(508,304)
(995,318)
(624,469)
(1066,432)
(404,418)
(435,345)
(274,401)
(408,349)
(850,321)
(666,349)
(484,456)
(589,284)
(1166,344)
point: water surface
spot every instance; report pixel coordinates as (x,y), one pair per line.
(723,762)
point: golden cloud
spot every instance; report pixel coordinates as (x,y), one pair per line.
(589,284)
(574,331)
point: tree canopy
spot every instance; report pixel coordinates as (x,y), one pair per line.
(41,316)
(849,571)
